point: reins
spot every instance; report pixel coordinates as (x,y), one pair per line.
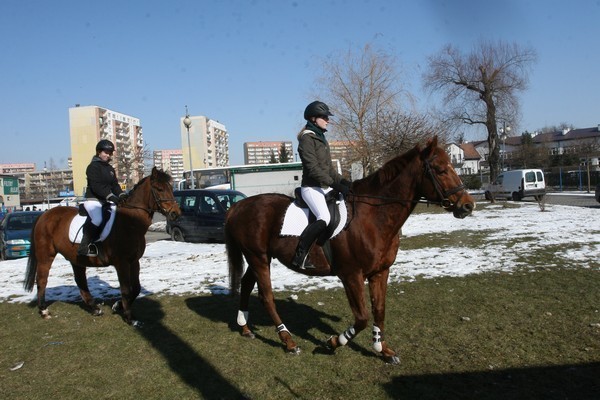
(427,169)
(157,201)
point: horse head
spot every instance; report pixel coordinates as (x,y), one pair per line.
(441,184)
(156,194)
(162,192)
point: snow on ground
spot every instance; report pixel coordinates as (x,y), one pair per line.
(187,268)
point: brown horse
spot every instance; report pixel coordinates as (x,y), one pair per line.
(123,247)
(378,206)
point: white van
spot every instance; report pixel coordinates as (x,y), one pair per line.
(517,184)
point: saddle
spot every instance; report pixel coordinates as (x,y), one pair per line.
(108,217)
(334,211)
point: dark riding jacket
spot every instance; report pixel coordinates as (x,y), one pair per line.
(101,180)
(317,167)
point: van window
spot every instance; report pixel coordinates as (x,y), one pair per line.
(529,176)
(208,205)
(540,177)
(499,179)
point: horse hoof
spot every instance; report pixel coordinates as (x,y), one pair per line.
(117,307)
(97,312)
(332,343)
(392,360)
(137,324)
(45,314)
(249,335)
(295,351)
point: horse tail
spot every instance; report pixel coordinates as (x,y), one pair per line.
(235,260)
(32,261)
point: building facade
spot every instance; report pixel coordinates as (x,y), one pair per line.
(267,152)
(207,143)
(170,161)
(88,125)
(16,168)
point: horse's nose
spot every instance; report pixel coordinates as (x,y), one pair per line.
(173,215)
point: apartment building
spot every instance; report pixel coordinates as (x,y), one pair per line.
(17,168)
(206,141)
(170,161)
(266,152)
(90,124)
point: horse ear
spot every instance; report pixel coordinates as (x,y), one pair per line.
(154,172)
(432,144)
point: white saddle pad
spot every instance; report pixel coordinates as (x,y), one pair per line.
(296,219)
(76,231)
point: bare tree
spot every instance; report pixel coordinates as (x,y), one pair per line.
(130,167)
(480,88)
(365,93)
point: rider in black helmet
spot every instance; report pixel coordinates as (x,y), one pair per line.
(318,176)
(102,187)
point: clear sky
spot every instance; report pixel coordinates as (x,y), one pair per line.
(252,65)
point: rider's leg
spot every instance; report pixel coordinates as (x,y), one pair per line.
(315,199)
(90,233)
(90,229)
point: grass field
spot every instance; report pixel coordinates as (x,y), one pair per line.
(530,334)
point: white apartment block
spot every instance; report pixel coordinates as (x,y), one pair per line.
(207,143)
(170,161)
(265,152)
(88,125)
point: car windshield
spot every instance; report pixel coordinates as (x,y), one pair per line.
(21,222)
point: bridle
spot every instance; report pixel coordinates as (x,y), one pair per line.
(442,193)
(445,203)
(157,202)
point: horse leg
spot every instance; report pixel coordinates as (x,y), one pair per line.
(248,282)
(354,288)
(378,290)
(265,291)
(124,275)
(81,280)
(43,271)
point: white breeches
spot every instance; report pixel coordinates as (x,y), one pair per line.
(315,199)
(94,210)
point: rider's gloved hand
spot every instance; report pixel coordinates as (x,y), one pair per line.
(123,197)
(343,189)
(112,198)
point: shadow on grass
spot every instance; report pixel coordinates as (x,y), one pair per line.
(579,381)
(192,369)
(299,318)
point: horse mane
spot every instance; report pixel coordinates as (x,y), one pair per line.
(157,174)
(389,171)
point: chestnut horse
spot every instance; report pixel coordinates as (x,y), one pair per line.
(123,247)
(378,206)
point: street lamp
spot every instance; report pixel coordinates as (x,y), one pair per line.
(504,134)
(188,123)
(46,184)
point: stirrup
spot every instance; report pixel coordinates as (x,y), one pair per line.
(92,250)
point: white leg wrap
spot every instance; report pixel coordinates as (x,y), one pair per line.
(345,337)
(377,339)
(242,318)
(281,328)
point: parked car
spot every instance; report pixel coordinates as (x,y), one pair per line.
(597,193)
(517,184)
(202,214)
(15,231)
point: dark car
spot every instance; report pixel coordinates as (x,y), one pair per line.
(597,193)
(202,214)
(15,231)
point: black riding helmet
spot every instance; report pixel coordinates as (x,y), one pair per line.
(316,109)
(105,145)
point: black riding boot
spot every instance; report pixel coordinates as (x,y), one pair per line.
(87,247)
(307,239)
